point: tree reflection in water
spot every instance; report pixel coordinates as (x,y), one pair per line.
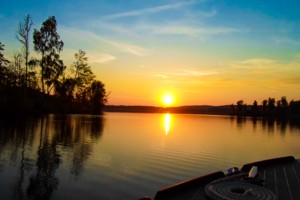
(269,124)
(46,136)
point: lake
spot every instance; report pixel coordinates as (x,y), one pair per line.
(129,155)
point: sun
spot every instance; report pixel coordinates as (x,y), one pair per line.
(168,99)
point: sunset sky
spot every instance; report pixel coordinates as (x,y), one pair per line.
(208,52)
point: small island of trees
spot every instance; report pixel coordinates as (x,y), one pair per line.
(268,108)
(45,84)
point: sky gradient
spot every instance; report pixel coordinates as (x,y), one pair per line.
(203,52)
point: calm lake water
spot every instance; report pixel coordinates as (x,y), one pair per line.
(129,155)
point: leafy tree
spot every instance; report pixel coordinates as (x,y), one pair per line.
(254,108)
(240,107)
(284,102)
(32,80)
(264,105)
(97,96)
(82,72)
(5,72)
(47,42)
(271,106)
(65,89)
(53,71)
(23,37)
(255,105)
(16,69)
(3,61)
(294,107)
(282,106)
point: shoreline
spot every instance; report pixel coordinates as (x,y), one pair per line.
(199,109)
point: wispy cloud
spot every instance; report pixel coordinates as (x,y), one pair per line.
(285,40)
(184,73)
(129,48)
(265,72)
(192,31)
(208,14)
(160,76)
(258,62)
(152,10)
(101,58)
(255,64)
(94,40)
(193,73)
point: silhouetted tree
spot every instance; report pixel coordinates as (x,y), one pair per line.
(64,89)
(240,107)
(284,102)
(254,108)
(282,106)
(294,107)
(47,42)
(271,103)
(5,72)
(3,61)
(23,37)
(264,106)
(97,96)
(32,80)
(271,106)
(53,71)
(17,71)
(82,72)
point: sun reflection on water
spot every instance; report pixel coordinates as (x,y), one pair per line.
(167,120)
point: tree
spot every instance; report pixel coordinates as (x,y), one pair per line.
(282,106)
(97,96)
(23,37)
(82,72)
(240,107)
(3,60)
(271,106)
(255,108)
(5,73)
(16,69)
(65,89)
(47,42)
(32,80)
(53,70)
(264,105)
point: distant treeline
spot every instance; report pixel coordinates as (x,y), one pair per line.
(268,108)
(44,84)
(204,109)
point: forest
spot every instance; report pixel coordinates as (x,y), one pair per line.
(43,84)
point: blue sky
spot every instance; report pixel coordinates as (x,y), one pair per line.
(201,51)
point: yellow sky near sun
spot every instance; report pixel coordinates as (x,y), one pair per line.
(249,80)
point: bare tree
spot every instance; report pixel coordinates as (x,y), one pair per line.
(23,37)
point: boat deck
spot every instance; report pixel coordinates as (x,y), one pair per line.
(280,175)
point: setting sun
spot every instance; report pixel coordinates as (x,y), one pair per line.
(168,99)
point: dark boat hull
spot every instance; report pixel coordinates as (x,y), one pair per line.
(281,176)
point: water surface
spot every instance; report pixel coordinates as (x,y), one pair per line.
(129,155)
